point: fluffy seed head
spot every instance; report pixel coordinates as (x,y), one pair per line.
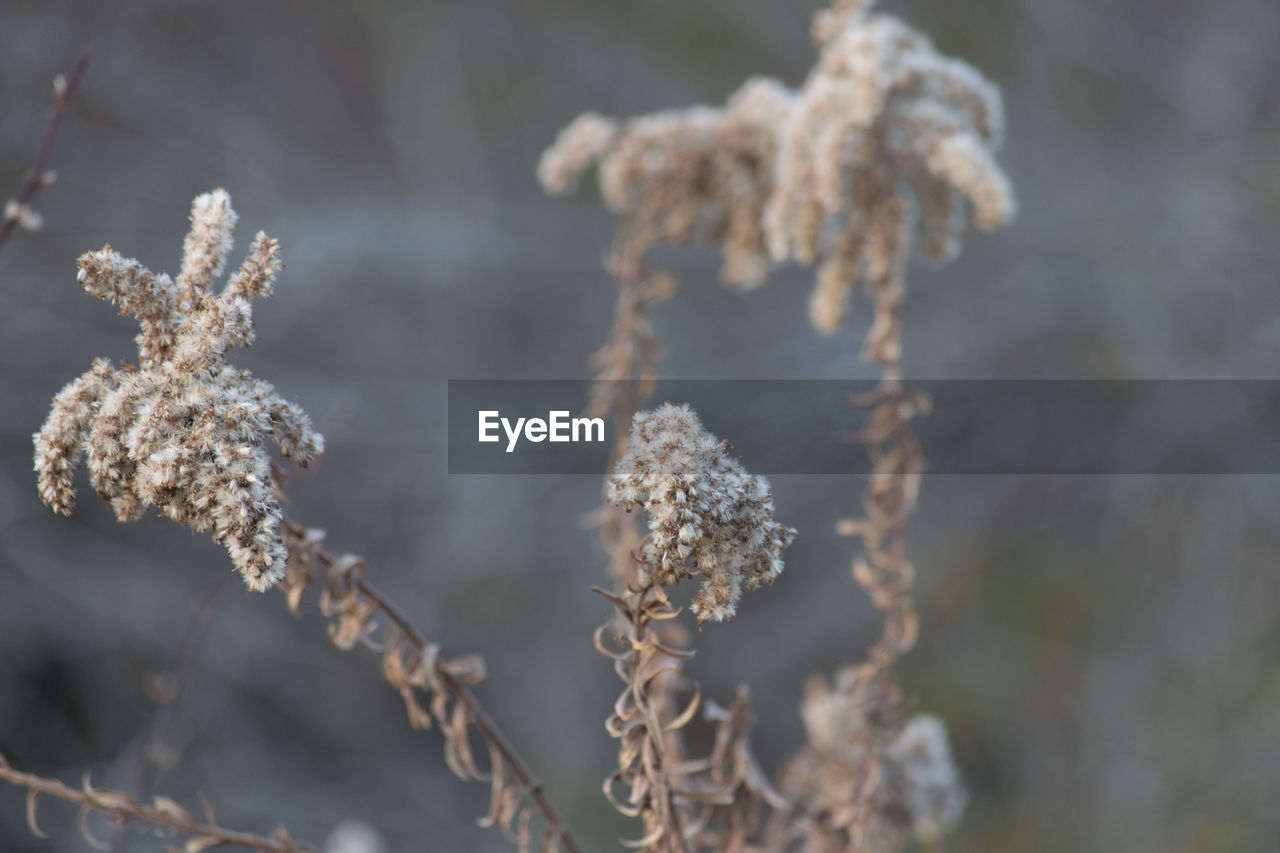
(707,516)
(183,431)
(886,146)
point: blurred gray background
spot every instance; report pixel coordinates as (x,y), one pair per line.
(1105,651)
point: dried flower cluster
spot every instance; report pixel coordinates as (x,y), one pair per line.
(699,172)
(884,137)
(183,431)
(861,784)
(706,514)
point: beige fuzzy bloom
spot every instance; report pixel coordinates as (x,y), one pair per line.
(183,431)
(577,148)
(700,173)
(921,778)
(707,516)
(888,145)
(869,786)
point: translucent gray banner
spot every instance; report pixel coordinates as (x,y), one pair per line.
(975,427)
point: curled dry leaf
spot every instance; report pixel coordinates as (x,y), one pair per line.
(33,805)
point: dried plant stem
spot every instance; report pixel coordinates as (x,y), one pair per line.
(713,802)
(483,722)
(626,364)
(163,814)
(628,375)
(169,686)
(362,614)
(36,175)
(883,569)
(642,716)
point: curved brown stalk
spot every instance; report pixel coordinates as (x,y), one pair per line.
(361,614)
(162,814)
(641,719)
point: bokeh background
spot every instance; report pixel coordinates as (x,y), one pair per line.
(1104,650)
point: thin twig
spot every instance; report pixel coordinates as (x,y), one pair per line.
(170,685)
(36,176)
(162,813)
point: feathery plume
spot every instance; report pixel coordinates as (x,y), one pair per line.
(887,138)
(864,783)
(885,145)
(183,431)
(695,174)
(706,514)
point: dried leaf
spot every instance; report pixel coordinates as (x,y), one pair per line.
(497,781)
(682,719)
(293,596)
(166,806)
(206,809)
(647,840)
(460,719)
(469,669)
(524,835)
(419,718)
(33,799)
(82,824)
(617,778)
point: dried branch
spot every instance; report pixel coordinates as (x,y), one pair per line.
(713,803)
(626,366)
(914,148)
(360,614)
(17,210)
(185,432)
(641,719)
(675,177)
(162,815)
